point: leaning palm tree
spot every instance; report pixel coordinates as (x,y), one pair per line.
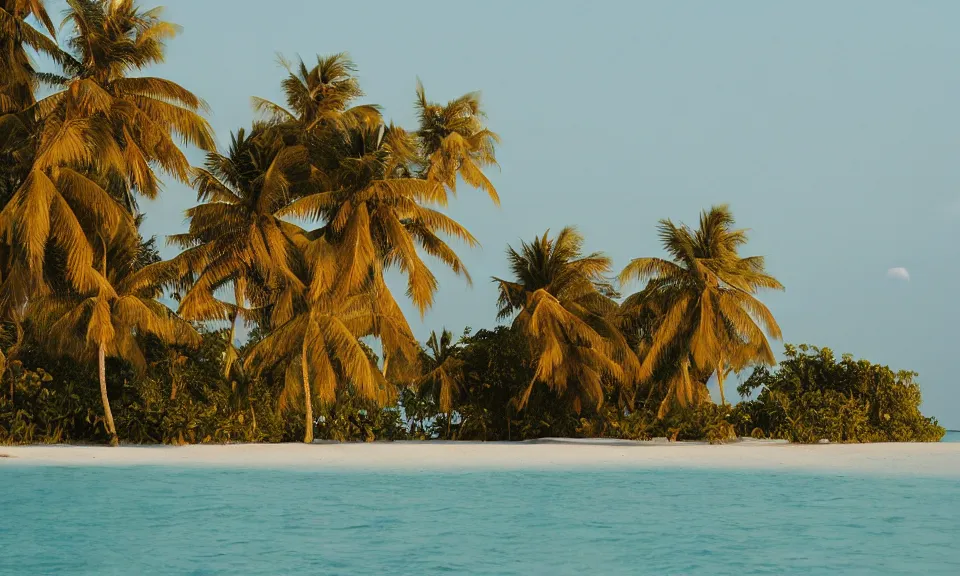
(108,322)
(444,377)
(564,308)
(315,336)
(708,317)
(454,141)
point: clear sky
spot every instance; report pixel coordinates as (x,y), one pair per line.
(829,127)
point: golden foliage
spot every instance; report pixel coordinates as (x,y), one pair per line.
(444,375)
(707,317)
(565,308)
(320,326)
(114,314)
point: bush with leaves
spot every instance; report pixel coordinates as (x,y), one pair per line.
(813,396)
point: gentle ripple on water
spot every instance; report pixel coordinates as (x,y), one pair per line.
(154,520)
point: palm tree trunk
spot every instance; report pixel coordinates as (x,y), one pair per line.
(307,397)
(386,362)
(723,401)
(108,415)
(12,354)
(449,418)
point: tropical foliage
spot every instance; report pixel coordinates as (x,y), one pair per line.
(298,225)
(706,318)
(812,396)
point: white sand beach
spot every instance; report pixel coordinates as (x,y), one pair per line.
(925,459)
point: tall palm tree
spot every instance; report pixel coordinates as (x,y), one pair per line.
(370,198)
(315,336)
(319,97)
(708,316)
(444,373)
(17,75)
(455,142)
(108,322)
(18,79)
(98,138)
(565,309)
(375,213)
(112,39)
(235,238)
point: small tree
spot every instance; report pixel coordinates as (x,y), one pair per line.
(444,377)
(109,321)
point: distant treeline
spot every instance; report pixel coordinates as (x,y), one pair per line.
(295,226)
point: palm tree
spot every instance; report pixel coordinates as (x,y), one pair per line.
(18,79)
(98,138)
(235,237)
(316,331)
(444,377)
(707,316)
(318,97)
(455,142)
(375,213)
(112,39)
(566,313)
(369,197)
(109,321)
(17,75)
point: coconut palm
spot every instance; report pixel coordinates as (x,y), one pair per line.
(99,136)
(565,310)
(17,75)
(370,199)
(672,379)
(108,322)
(455,142)
(17,80)
(444,377)
(235,239)
(318,97)
(111,40)
(375,213)
(315,337)
(707,315)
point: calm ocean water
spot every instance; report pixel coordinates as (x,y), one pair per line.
(155,520)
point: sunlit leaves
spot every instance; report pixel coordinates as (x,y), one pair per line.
(558,296)
(707,317)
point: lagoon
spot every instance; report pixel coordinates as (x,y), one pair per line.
(234,520)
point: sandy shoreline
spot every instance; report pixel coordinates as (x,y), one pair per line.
(913,459)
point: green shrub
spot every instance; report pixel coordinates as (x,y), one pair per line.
(811,396)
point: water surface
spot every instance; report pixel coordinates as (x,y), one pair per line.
(156,520)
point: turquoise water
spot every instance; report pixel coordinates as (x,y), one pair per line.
(155,520)
(952,436)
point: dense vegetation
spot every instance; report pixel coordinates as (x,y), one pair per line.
(297,223)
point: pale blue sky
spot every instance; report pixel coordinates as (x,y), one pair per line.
(830,128)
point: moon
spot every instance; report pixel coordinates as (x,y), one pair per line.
(899,273)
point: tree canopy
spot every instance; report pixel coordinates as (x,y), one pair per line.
(300,226)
